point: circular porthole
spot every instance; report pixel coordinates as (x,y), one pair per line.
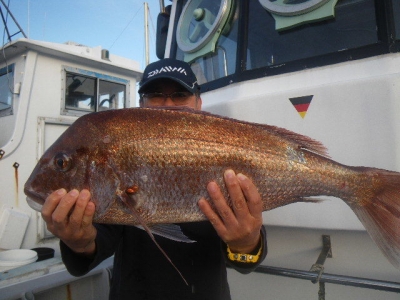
(201,23)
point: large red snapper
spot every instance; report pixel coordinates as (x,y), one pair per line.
(147,166)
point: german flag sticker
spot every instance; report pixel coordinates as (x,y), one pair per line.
(301,104)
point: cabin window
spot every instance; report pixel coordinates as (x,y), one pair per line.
(6,90)
(396,14)
(258,41)
(90,92)
(353,26)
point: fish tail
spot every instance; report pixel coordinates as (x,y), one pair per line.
(380,214)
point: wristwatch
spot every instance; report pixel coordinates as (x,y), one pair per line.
(243,257)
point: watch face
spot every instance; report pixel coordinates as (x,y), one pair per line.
(291,7)
(199,22)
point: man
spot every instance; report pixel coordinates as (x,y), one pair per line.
(234,236)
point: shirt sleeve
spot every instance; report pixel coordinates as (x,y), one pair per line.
(107,241)
(248,267)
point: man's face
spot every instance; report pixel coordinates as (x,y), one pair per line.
(167,87)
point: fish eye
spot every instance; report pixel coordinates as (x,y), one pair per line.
(62,161)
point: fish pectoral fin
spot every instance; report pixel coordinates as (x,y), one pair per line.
(169,231)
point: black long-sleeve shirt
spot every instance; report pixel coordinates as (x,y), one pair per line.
(141,271)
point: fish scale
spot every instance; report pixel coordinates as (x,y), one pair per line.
(150,166)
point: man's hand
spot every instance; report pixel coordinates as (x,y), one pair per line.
(69,217)
(240,226)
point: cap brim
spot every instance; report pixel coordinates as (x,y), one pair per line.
(191,89)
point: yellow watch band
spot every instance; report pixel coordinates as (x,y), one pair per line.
(244,258)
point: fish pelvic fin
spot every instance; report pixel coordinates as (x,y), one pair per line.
(169,231)
(380,215)
(148,230)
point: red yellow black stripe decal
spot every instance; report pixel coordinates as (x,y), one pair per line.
(301,104)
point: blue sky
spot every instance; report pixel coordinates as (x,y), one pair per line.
(116,25)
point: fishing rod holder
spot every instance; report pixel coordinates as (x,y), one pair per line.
(326,252)
(318,267)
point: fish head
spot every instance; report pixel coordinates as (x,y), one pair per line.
(76,160)
(60,169)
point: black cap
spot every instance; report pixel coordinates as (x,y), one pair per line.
(173,69)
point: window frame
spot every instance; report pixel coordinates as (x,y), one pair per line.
(4,72)
(93,75)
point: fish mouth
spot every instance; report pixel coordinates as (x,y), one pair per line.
(34,200)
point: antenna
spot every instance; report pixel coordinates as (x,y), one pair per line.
(5,22)
(146,32)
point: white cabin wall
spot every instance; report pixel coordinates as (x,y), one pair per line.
(19,150)
(8,123)
(44,102)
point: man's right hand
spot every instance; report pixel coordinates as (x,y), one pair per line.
(69,216)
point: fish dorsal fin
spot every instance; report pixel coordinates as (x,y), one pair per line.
(301,141)
(169,231)
(148,230)
(304,142)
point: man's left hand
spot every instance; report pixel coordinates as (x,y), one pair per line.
(239,226)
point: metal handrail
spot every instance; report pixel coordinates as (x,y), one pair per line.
(317,275)
(332,278)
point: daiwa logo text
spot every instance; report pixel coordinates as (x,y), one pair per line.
(167,69)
